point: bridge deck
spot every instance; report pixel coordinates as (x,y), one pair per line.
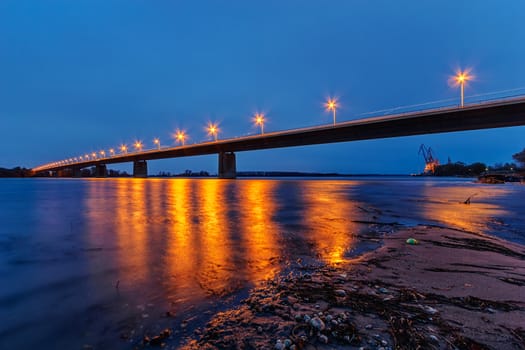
(499,114)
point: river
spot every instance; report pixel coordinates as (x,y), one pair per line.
(99,263)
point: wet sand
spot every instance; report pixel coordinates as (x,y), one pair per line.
(454,289)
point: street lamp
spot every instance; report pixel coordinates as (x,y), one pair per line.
(156,141)
(102,153)
(180,136)
(112,152)
(213,130)
(124,149)
(331,105)
(93,155)
(138,145)
(259,120)
(460,79)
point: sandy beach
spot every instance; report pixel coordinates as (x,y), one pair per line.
(452,290)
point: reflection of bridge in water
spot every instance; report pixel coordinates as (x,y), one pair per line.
(503,113)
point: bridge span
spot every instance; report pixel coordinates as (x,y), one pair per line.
(495,114)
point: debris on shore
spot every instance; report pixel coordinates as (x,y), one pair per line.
(453,290)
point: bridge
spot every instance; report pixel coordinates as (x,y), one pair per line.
(486,115)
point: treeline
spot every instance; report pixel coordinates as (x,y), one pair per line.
(471,170)
(15,172)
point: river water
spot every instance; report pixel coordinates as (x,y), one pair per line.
(99,263)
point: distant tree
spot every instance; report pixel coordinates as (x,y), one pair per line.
(520,158)
(477,168)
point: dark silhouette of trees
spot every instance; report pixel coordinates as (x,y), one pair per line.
(520,158)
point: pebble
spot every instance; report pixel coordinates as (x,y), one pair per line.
(259,329)
(383,290)
(340,292)
(323,338)
(434,338)
(317,323)
(287,343)
(430,309)
(279,345)
(491,310)
(156,340)
(368,326)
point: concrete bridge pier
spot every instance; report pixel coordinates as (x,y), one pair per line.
(227,165)
(76,172)
(101,170)
(140,168)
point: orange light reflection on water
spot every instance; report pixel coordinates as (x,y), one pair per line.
(258,206)
(446,205)
(328,217)
(215,269)
(131,228)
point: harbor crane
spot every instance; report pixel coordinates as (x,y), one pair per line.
(431,162)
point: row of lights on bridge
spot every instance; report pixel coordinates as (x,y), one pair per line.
(180,136)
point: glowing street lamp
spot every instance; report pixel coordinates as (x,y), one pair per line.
(86,156)
(213,130)
(460,79)
(102,153)
(138,145)
(93,155)
(180,136)
(156,141)
(112,152)
(259,120)
(331,105)
(124,149)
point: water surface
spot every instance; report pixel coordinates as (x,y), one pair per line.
(100,262)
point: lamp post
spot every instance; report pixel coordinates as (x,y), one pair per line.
(138,145)
(124,149)
(259,120)
(331,105)
(180,136)
(213,130)
(156,141)
(461,78)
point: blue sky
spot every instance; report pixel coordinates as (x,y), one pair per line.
(81,76)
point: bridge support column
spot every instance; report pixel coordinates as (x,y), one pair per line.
(140,168)
(76,172)
(101,170)
(227,165)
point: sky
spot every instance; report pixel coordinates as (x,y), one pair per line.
(86,75)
